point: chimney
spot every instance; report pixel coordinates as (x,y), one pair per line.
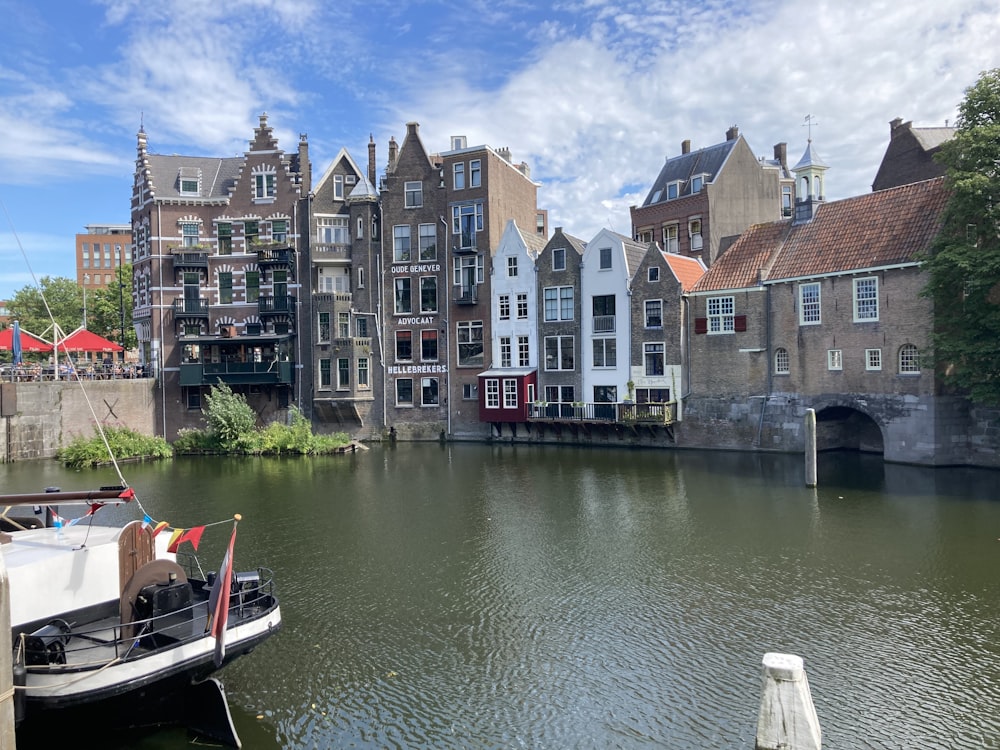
(524,169)
(894,126)
(412,128)
(393,153)
(305,168)
(371,160)
(733,133)
(504,153)
(781,155)
(685,147)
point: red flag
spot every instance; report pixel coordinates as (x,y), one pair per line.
(218,601)
(190,535)
(159,527)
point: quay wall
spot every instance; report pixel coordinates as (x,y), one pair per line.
(39,418)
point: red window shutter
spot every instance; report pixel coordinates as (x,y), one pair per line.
(701,325)
(739,323)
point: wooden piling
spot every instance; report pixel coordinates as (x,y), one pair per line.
(8,739)
(787,719)
(810,442)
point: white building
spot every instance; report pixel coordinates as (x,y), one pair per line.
(515,302)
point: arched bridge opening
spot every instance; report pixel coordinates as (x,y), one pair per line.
(844,428)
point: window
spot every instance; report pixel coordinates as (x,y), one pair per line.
(338,187)
(781,361)
(654,313)
(361,277)
(225,287)
(401,243)
(253,286)
(653,273)
(263,186)
(670,238)
(786,200)
(652,354)
(523,352)
(468,271)
(466,220)
(361,327)
(470,392)
(189,186)
(458,175)
(279,231)
(189,232)
(558,302)
(404,346)
(696,184)
(694,231)
(225,232)
(331,230)
(645,236)
(404,392)
(404,304)
(428,294)
(363,369)
(475,173)
(834,359)
(505,351)
(809,310)
(251,231)
(361,228)
(509,393)
(559,259)
(865,299)
(652,395)
(428,391)
(323,327)
(503,307)
(560,394)
(605,394)
(605,258)
(512,267)
(673,190)
(343,373)
(492,393)
(909,359)
(522,305)
(604,313)
(429,345)
(325,374)
(343,325)
(721,314)
(414,191)
(470,343)
(605,352)
(427,242)
(873,359)
(559,353)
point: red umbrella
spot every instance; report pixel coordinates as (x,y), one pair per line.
(82,340)
(29,342)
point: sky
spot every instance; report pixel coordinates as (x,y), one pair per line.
(593,94)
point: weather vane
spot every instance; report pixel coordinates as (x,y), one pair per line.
(809,124)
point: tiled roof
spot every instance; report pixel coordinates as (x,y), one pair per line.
(885,228)
(931,138)
(218,176)
(687,270)
(708,160)
(534,243)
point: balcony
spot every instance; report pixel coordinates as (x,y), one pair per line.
(191,308)
(274,254)
(604,324)
(465,295)
(237,373)
(276,305)
(330,252)
(652,413)
(466,244)
(189,258)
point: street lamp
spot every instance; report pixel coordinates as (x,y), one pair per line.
(86,283)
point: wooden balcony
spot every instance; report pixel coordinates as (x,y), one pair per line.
(620,413)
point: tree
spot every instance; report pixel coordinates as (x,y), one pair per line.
(65,302)
(964,264)
(108,307)
(229,415)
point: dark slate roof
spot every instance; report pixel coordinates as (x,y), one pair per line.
(886,228)
(708,160)
(218,176)
(634,251)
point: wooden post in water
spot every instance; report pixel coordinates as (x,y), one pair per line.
(810,434)
(787,718)
(7,735)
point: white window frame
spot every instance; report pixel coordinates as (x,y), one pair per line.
(873,360)
(781,361)
(908,360)
(505,351)
(400,381)
(511,266)
(521,300)
(652,349)
(426,383)
(810,301)
(458,175)
(695,233)
(673,190)
(503,307)
(492,393)
(670,234)
(264,186)
(475,173)
(721,313)
(523,351)
(338,187)
(834,359)
(605,254)
(650,318)
(427,242)
(413,194)
(397,287)
(866,303)
(559,259)
(509,393)
(559,345)
(608,358)
(401,232)
(653,274)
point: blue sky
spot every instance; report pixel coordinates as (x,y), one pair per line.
(592,94)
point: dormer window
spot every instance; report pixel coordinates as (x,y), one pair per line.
(189,181)
(696,184)
(673,190)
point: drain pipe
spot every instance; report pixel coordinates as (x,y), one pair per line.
(447,329)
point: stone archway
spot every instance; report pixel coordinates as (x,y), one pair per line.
(845,428)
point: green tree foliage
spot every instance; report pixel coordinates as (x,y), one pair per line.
(65,301)
(229,415)
(964,267)
(124,443)
(108,307)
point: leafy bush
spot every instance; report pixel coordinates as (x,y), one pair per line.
(229,415)
(124,444)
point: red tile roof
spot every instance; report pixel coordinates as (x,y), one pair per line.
(885,228)
(686,270)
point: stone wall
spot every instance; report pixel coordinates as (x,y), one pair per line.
(44,417)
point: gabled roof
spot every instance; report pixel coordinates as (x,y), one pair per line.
(708,161)
(634,251)
(345,156)
(931,138)
(560,238)
(887,228)
(533,244)
(686,270)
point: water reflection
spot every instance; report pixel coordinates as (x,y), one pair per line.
(498,596)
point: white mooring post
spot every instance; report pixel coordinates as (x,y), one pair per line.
(810,434)
(787,718)
(7,735)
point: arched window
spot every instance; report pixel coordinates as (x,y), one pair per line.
(909,359)
(780,361)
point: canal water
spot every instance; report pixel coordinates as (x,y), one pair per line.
(476,596)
